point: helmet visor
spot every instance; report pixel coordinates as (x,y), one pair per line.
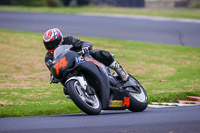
(51,45)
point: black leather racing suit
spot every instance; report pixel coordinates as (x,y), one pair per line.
(103,56)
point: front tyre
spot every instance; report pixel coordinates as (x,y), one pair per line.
(138,97)
(88,103)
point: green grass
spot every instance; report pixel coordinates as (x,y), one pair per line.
(174,13)
(168,73)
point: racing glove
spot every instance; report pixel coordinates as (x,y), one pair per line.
(85,49)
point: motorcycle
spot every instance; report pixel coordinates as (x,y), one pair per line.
(92,86)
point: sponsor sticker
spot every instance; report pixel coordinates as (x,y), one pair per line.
(116,103)
(120,103)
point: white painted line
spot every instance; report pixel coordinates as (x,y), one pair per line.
(159,106)
(163,105)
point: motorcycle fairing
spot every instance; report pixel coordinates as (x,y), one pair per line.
(89,66)
(69,57)
(98,73)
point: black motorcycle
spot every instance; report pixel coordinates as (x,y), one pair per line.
(92,86)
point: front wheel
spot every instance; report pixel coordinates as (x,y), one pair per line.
(138,96)
(88,103)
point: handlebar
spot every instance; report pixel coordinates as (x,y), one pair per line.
(82,53)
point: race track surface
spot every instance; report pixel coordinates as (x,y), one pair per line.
(144,30)
(152,120)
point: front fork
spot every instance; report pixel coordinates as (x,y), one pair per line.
(81,80)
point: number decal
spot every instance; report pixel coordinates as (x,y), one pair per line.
(60,64)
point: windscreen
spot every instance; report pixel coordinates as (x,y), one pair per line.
(61,50)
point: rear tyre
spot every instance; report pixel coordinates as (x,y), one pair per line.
(138,97)
(90,104)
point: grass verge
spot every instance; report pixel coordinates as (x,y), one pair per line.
(168,73)
(174,13)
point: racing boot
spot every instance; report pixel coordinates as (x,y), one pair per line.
(119,70)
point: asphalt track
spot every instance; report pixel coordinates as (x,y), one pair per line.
(127,28)
(152,120)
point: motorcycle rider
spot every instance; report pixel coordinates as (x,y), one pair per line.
(52,38)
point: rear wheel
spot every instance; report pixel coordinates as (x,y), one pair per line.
(88,103)
(138,97)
